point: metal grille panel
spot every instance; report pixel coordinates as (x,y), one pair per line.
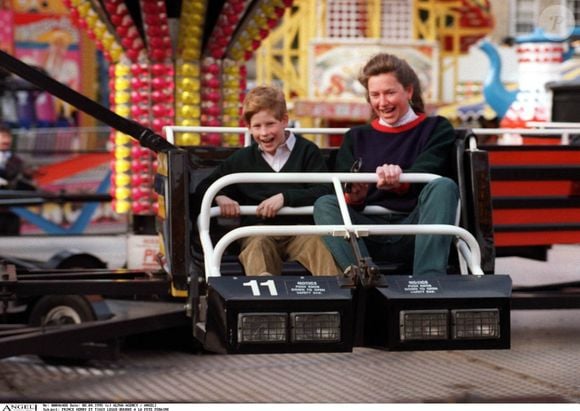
(539,371)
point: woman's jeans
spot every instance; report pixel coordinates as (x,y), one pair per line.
(437,204)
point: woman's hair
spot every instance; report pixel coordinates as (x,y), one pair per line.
(264,98)
(383,63)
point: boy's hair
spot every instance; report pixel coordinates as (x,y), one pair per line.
(264,98)
(5,130)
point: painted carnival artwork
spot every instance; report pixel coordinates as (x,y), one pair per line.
(334,66)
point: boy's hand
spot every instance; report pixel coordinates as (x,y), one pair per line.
(388,176)
(270,206)
(228,207)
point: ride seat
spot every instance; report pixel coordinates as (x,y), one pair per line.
(470,169)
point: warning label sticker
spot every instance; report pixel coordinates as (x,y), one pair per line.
(306,288)
(421,287)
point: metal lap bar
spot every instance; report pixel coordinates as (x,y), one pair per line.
(251,210)
(473,259)
(563,131)
(336,183)
(203,221)
(469,247)
(170,131)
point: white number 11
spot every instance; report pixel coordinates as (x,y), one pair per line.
(253,284)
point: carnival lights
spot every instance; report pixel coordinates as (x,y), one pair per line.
(158,83)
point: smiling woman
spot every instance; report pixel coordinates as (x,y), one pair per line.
(400,138)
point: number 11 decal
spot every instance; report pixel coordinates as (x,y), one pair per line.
(253,284)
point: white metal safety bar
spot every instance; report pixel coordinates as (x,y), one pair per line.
(564,133)
(171,130)
(562,129)
(305,210)
(213,257)
(473,257)
(553,124)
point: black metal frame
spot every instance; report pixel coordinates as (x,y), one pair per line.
(89,339)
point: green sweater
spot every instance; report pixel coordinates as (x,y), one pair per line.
(304,157)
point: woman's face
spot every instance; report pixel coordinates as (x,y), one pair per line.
(388,98)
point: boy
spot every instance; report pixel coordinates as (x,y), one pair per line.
(276,150)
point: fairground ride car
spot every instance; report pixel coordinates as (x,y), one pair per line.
(290,313)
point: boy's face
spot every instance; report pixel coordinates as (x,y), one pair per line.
(5,142)
(268,131)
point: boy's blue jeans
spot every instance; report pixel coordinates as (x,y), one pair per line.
(437,204)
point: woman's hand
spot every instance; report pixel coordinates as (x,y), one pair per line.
(388,176)
(270,206)
(357,194)
(228,207)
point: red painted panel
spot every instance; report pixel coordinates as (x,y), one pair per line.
(506,158)
(536,216)
(53,172)
(537,238)
(531,188)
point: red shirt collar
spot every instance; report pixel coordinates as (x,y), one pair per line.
(379,127)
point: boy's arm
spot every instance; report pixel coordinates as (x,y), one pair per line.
(269,207)
(228,207)
(220,171)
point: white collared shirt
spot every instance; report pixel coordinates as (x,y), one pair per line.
(4,156)
(279,158)
(409,116)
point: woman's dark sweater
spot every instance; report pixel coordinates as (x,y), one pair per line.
(422,146)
